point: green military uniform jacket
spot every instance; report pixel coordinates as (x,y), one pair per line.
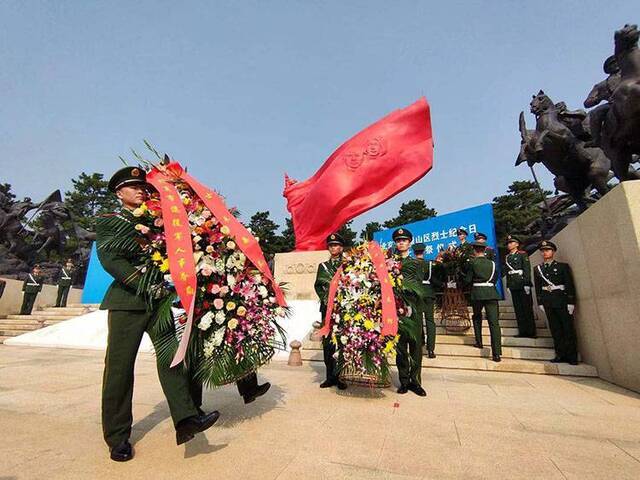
(66,277)
(518,270)
(411,270)
(490,253)
(326,271)
(33,284)
(466,250)
(481,275)
(431,277)
(120,263)
(558,290)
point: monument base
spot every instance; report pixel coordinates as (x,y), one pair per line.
(603,248)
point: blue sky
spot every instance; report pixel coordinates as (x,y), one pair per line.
(243,92)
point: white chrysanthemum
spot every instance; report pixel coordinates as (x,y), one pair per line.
(205,321)
(217,338)
(220,317)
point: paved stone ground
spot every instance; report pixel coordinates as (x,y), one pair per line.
(472,425)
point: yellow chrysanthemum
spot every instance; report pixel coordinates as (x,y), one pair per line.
(157,256)
(164,266)
(368,324)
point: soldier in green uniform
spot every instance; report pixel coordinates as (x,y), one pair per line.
(64,283)
(431,278)
(518,270)
(31,287)
(409,346)
(556,295)
(481,275)
(326,271)
(466,251)
(129,318)
(482,238)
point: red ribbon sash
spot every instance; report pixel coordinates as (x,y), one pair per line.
(388,301)
(179,246)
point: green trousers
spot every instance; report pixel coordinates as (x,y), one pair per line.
(409,359)
(491,310)
(563,332)
(63,293)
(523,306)
(27,303)
(430,324)
(125,334)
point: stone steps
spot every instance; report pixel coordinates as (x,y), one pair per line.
(544,342)
(15,324)
(506,331)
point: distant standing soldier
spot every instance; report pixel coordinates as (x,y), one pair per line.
(64,283)
(489,252)
(326,271)
(465,247)
(518,270)
(31,287)
(557,298)
(2,285)
(431,278)
(481,275)
(409,346)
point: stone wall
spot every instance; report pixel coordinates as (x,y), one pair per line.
(298,270)
(603,248)
(12,298)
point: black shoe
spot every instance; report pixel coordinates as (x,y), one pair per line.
(431,354)
(496,358)
(478,345)
(122,452)
(573,362)
(341,385)
(188,427)
(557,360)
(327,384)
(418,390)
(403,389)
(258,392)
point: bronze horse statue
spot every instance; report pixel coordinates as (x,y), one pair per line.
(558,142)
(621,127)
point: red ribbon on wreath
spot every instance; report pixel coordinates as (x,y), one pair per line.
(387,299)
(179,246)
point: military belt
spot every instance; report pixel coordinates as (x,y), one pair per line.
(512,272)
(551,288)
(426,282)
(484,284)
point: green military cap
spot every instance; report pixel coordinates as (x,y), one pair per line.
(127,176)
(479,235)
(462,231)
(478,244)
(513,238)
(547,245)
(401,234)
(418,248)
(335,239)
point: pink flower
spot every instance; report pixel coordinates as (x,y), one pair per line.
(206,270)
(215,289)
(158,222)
(218,303)
(224,290)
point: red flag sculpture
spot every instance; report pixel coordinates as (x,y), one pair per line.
(373,166)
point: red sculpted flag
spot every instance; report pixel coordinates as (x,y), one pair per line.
(373,166)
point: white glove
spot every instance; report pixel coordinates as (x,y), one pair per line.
(451,284)
(570,309)
(527,290)
(541,307)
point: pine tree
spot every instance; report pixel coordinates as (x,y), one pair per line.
(411,211)
(89,198)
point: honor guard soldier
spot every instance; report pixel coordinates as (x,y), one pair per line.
(518,270)
(409,346)
(326,271)
(129,317)
(31,287)
(465,247)
(481,275)
(64,283)
(488,252)
(556,295)
(431,278)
